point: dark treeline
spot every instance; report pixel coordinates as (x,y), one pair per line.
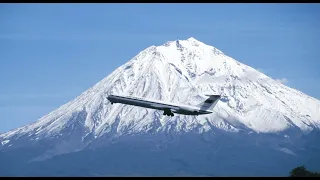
(301,171)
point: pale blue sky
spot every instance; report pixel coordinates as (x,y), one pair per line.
(51,53)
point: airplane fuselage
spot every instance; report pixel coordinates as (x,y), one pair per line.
(168,108)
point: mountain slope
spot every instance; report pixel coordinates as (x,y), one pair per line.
(177,71)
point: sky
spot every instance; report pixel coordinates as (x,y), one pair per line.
(51,53)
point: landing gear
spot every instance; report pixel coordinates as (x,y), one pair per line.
(168,113)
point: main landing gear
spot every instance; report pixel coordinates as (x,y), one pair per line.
(168,113)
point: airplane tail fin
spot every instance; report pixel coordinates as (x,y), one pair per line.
(210,102)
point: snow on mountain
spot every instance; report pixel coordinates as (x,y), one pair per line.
(179,71)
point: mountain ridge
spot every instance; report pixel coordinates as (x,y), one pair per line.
(178,71)
(260,127)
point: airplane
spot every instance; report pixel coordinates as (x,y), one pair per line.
(168,108)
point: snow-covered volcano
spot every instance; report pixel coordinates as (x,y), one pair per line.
(179,71)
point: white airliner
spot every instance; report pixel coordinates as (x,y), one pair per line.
(168,108)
